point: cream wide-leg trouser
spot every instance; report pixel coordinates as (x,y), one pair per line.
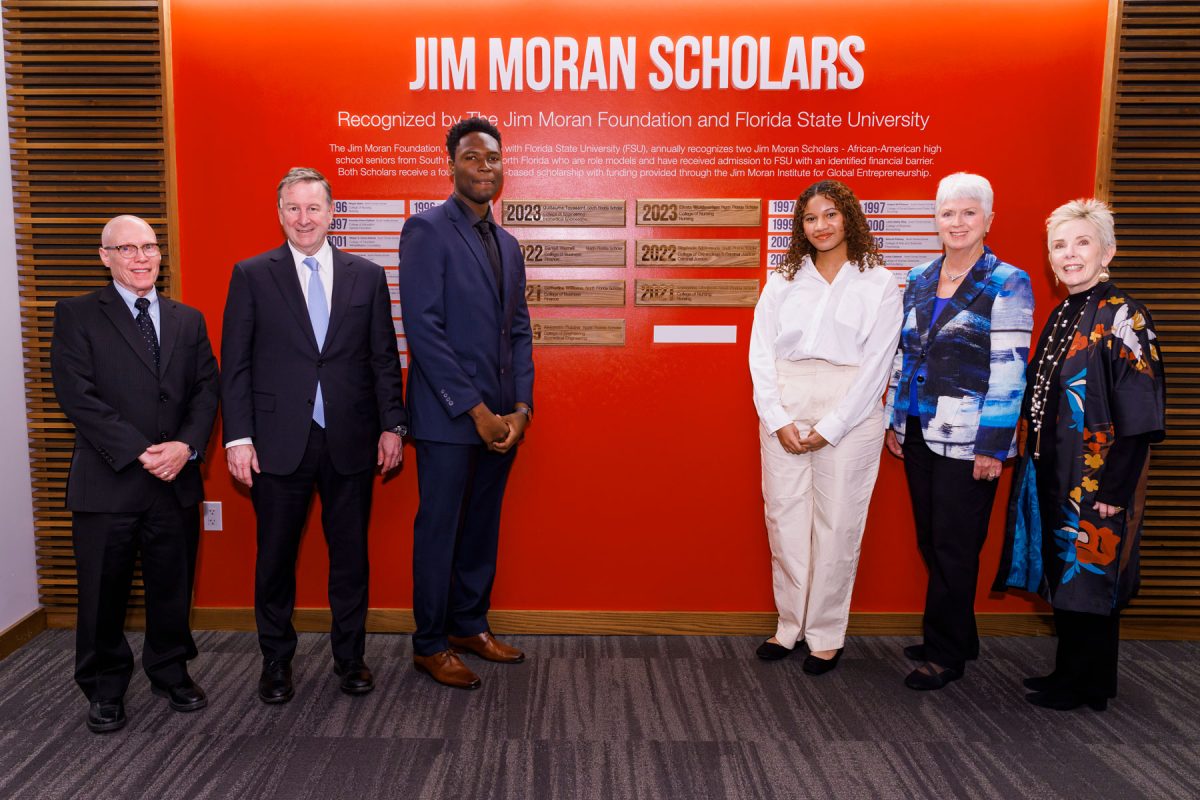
(816,506)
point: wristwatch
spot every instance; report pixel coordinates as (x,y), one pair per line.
(399,430)
(526,410)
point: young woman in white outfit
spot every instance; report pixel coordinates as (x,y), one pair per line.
(825,331)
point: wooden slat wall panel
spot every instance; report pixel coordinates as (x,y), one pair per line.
(1149,169)
(88,142)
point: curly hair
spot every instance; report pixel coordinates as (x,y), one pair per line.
(861,246)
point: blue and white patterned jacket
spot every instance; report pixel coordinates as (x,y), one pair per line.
(969,363)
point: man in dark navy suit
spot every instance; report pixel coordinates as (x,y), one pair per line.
(135,374)
(470,397)
(311,397)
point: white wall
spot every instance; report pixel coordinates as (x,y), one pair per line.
(18,580)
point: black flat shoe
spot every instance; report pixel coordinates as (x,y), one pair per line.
(915,652)
(106,716)
(275,683)
(770,651)
(819,666)
(184,696)
(921,680)
(1065,700)
(356,676)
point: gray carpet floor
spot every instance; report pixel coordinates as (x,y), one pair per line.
(607,717)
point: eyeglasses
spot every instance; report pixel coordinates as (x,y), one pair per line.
(149,250)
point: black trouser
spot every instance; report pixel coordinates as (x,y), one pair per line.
(281,503)
(952,511)
(455,540)
(1085,661)
(106,547)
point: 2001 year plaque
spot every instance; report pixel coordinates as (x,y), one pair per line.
(575,293)
(698,252)
(688,292)
(563,213)
(573,252)
(579,332)
(731,212)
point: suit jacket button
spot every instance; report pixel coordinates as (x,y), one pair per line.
(162,398)
(165,436)
(321,362)
(920,379)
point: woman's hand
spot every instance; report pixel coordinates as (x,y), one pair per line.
(812,442)
(789,437)
(987,468)
(1105,510)
(893,444)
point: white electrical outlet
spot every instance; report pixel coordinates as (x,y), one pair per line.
(212,515)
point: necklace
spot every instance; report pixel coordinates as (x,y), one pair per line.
(1058,342)
(955,278)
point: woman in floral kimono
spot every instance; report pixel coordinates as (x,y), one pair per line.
(1093,406)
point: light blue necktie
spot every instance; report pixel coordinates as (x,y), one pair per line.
(318,314)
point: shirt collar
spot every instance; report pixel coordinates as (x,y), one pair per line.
(130,297)
(324,256)
(471,214)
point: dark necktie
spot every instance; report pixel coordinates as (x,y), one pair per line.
(493,253)
(146,326)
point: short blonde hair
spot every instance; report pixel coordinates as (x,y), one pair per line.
(965,186)
(1092,211)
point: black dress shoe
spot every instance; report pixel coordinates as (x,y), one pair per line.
(923,680)
(1066,700)
(819,666)
(184,696)
(356,676)
(106,716)
(275,683)
(771,651)
(916,652)
(1041,683)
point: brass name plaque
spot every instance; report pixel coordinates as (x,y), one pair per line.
(579,332)
(688,292)
(698,253)
(563,213)
(573,252)
(575,293)
(733,212)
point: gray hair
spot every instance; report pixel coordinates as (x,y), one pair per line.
(965,186)
(1094,212)
(303,175)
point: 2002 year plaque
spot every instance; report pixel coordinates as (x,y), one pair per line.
(579,332)
(575,293)
(563,213)
(698,252)
(689,292)
(730,212)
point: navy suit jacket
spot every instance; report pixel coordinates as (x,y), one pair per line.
(466,346)
(107,385)
(270,363)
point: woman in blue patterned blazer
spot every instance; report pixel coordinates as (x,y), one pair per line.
(953,404)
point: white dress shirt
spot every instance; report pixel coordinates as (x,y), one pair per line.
(853,321)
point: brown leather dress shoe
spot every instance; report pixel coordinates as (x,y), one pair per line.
(487,647)
(445,667)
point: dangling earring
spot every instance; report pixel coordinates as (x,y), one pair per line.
(1104,276)
(1056,280)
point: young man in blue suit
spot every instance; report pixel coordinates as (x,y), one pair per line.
(311,398)
(470,398)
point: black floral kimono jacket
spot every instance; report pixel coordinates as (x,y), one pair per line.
(1111,384)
